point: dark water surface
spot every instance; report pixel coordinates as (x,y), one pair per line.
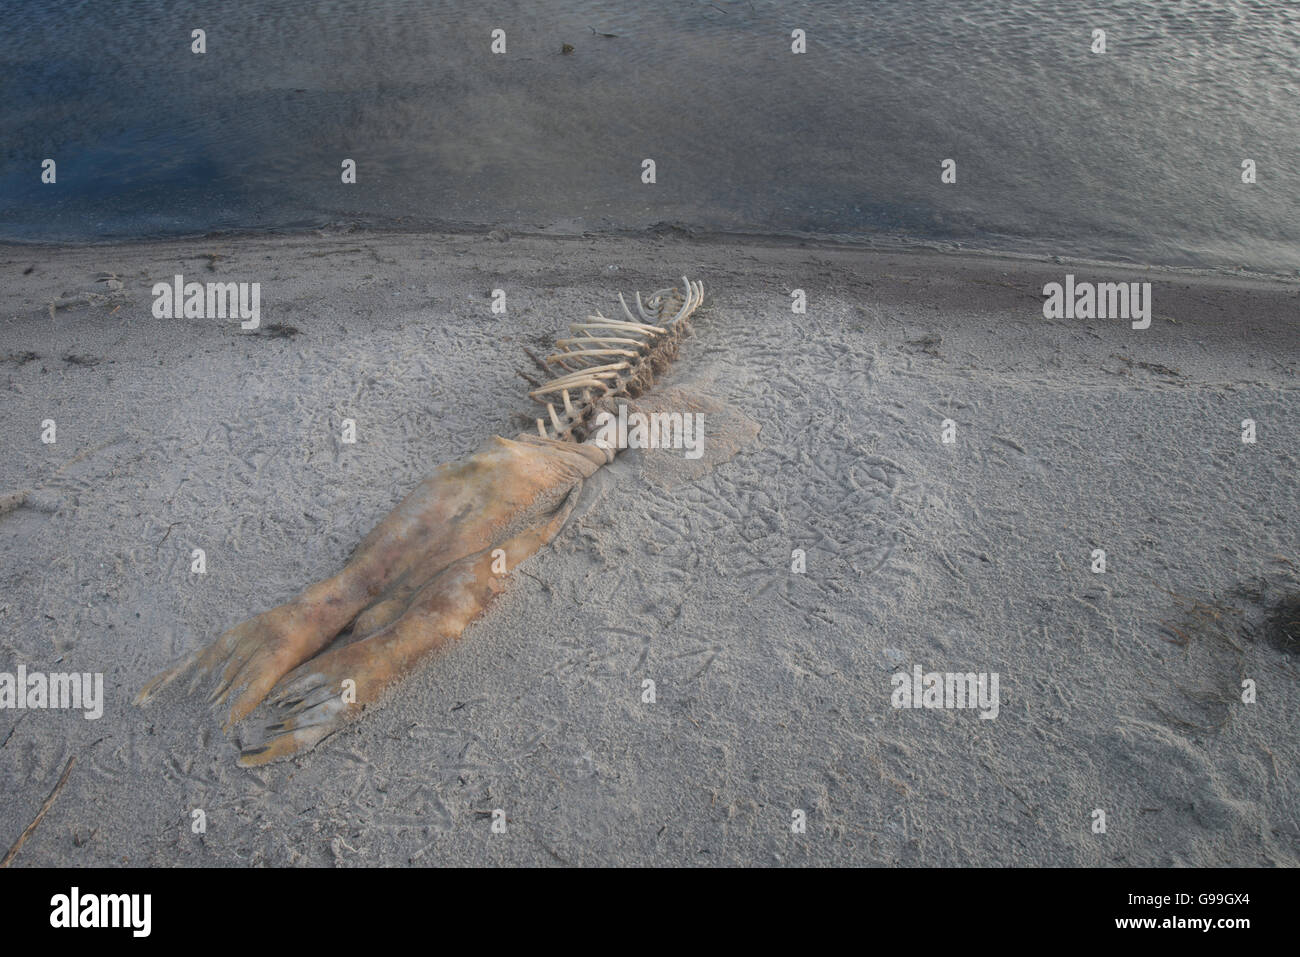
(1135,154)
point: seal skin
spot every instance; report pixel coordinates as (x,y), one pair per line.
(418,579)
(434,564)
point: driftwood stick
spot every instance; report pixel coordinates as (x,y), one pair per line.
(40,815)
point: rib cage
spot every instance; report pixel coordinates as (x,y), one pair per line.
(607,358)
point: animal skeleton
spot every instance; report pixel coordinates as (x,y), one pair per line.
(430,567)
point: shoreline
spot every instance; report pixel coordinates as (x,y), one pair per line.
(898,245)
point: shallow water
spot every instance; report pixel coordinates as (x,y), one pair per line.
(1133,154)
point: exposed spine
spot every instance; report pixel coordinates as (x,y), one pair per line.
(604,359)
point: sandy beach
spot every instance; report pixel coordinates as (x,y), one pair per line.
(1120,691)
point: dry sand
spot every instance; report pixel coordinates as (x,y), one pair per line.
(1119,691)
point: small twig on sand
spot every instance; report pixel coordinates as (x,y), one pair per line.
(40,815)
(164,538)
